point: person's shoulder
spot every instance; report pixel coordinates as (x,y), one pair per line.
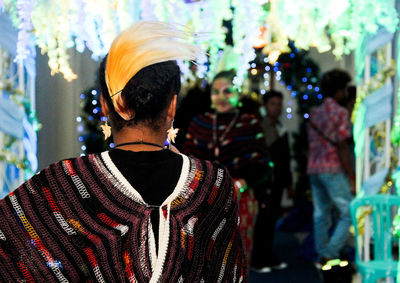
(68,164)
(212,166)
(203,118)
(248,117)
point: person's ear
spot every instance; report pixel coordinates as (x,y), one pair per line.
(172,107)
(104,106)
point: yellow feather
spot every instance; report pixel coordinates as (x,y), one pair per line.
(143,44)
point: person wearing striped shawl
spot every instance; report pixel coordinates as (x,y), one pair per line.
(137,213)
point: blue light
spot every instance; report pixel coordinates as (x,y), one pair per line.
(319,96)
(80,128)
(305,97)
(289,87)
(103,119)
(308,70)
(112,145)
(83,96)
(266,60)
(309,86)
(80,139)
(294,94)
(306,116)
(90,118)
(304,79)
(316,88)
(83,147)
(276,64)
(289,116)
(267,68)
(276,69)
(291,55)
(263,91)
(95,111)
(253,65)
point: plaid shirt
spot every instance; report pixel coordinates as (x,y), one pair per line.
(332,121)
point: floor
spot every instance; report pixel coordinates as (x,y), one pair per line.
(299,270)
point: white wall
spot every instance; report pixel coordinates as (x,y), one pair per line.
(57,107)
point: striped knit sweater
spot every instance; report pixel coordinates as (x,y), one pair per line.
(79,220)
(243,149)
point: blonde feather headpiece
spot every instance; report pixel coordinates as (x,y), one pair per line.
(143,44)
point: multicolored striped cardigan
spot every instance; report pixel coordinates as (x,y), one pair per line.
(79,220)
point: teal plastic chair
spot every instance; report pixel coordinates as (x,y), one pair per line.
(382,264)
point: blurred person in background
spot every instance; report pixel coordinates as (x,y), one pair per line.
(329,166)
(276,137)
(235,140)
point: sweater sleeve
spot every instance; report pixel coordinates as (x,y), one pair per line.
(21,245)
(228,255)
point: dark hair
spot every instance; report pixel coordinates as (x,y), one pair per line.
(147,93)
(352,92)
(270,94)
(228,75)
(334,80)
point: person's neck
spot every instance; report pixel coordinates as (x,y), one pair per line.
(273,120)
(231,111)
(139,139)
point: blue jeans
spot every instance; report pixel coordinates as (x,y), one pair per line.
(330,190)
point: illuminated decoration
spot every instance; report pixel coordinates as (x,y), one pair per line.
(276,39)
(245,33)
(359,111)
(395,134)
(91,117)
(342,24)
(260,41)
(18,122)
(58,25)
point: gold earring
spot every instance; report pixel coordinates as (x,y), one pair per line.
(106,129)
(172,133)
